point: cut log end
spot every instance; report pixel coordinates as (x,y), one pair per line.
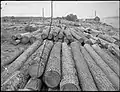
(34,72)
(52,79)
(69,87)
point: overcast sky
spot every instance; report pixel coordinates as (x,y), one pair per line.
(60,8)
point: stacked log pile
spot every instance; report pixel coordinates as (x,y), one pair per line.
(62,57)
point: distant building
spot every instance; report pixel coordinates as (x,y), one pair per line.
(96,19)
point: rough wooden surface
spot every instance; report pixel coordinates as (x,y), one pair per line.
(45,56)
(53,69)
(100,78)
(69,81)
(110,61)
(107,70)
(16,80)
(84,75)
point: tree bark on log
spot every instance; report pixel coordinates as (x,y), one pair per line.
(111,55)
(37,69)
(15,81)
(107,70)
(52,74)
(112,64)
(69,81)
(20,61)
(100,78)
(84,75)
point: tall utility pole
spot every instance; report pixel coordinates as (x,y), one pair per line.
(95,13)
(43,14)
(51,11)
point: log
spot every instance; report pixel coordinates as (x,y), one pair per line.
(109,60)
(15,42)
(67,34)
(20,61)
(50,36)
(17,80)
(61,35)
(56,38)
(53,69)
(18,36)
(84,75)
(76,36)
(66,40)
(45,55)
(88,42)
(100,78)
(79,33)
(107,70)
(32,39)
(117,43)
(7,60)
(45,33)
(34,84)
(114,51)
(111,55)
(56,31)
(32,63)
(25,40)
(13,37)
(69,81)
(107,38)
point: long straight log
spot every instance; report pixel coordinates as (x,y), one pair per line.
(84,75)
(109,60)
(34,84)
(17,80)
(111,55)
(79,33)
(33,59)
(5,60)
(20,61)
(36,70)
(69,81)
(101,80)
(107,70)
(33,62)
(76,36)
(107,38)
(53,69)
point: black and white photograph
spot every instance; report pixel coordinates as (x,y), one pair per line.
(60,46)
